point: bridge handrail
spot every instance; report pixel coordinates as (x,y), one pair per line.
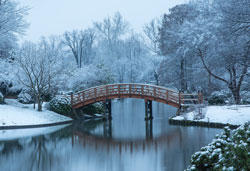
(126,84)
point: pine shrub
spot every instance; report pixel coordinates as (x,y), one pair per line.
(96,108)
(61,105)
(228,151)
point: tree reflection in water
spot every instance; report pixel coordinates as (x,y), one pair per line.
(8,147)
(40,158)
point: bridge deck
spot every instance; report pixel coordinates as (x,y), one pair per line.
(141,91)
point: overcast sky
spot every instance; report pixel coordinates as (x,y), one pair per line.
(48,17)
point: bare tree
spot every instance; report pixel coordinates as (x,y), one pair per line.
(12,24)
(12,17)
(152,34)
(39,67)
(111,31)
(236,14)
(80,44)
(235,67)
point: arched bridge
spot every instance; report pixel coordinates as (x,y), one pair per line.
(141,91)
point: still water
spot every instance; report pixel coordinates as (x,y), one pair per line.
(127,143)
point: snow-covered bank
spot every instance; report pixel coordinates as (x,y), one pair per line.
(14,113)
(233,115)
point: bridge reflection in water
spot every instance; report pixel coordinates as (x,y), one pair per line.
(106,141)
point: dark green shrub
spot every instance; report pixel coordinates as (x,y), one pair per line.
(215,100)
(220,98)
(93,109)
(61,105)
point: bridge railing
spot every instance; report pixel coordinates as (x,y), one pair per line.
(143,90)
(194,98)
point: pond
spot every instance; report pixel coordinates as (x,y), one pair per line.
(126,143)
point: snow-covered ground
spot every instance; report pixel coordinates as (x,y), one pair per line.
(15,113)
(234,115)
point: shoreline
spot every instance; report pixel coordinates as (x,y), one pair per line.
(214,116)
(15,115)
(35,125)
(198,123)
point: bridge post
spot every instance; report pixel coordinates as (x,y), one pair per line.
(107,109)
(180,99)
(148,110)
(200,98)
(142,91)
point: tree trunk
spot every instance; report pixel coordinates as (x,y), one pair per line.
(233,84)
(35,100)
(182,75)
(156,75)
(209,84)
(39,103)
(236,94)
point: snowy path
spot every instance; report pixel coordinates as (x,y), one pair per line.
(18,114)
(234,115)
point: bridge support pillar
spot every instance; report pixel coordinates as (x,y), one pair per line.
(107,109)
(149,129)
(148,110)
(107,129)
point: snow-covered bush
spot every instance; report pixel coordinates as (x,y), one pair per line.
(61,104)
(14,90)
(8,88)
(8,82)
(245,95)
(24,97)
(1,98)
(229,151)
(4,86)
(219,98)
(90,76)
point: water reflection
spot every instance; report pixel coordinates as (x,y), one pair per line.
(127,142)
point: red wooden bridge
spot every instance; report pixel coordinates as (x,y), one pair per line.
(141,91)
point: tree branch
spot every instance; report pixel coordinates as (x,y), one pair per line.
(208,70)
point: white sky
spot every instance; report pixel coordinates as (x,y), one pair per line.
(48,17)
